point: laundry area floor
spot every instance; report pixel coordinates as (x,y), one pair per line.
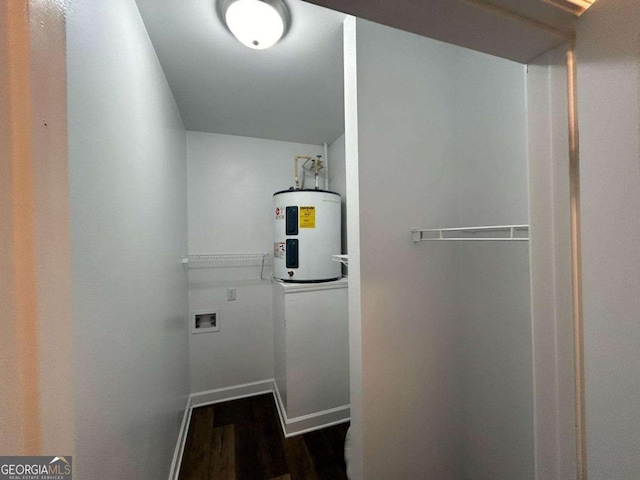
(242,439)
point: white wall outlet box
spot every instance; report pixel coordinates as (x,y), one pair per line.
(203,321)
(231,294)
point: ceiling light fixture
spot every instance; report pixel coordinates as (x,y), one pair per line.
(258,24)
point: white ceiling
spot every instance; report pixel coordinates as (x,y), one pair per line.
(294,90)
(291,92)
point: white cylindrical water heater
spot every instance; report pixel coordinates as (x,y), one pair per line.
(306,235)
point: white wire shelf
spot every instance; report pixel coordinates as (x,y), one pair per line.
(493,233)
(222,260)
(341,258)
(228,260)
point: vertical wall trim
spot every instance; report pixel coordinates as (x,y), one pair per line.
(25,316)
(355,467)
(47,38)
(576,263)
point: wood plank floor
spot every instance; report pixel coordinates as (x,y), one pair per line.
(242,439)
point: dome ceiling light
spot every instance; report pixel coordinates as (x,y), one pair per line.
(258,24)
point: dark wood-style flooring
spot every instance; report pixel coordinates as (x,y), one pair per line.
(242,439)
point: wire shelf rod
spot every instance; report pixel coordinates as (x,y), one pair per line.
(509,233)
(341,258)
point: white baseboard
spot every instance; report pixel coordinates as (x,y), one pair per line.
(290,426)
(182,438)
(200,399)
(308,423)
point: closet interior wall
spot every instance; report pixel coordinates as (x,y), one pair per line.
(446,326)
(493,307)
(231,180)
(608,57)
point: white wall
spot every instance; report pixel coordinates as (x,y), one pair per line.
(493,344)
(231,182)
(338,180)
(127,159)
(408,294)
(609,121)
(441,142)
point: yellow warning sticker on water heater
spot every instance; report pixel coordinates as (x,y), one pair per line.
(307,217)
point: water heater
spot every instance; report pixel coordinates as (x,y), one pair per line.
(307,235)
